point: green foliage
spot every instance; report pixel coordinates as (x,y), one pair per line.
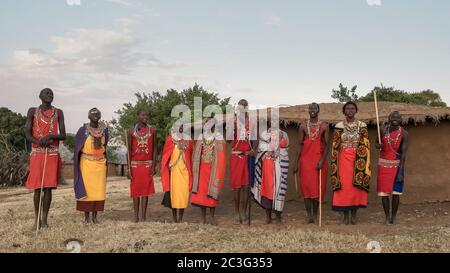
(343,94)
(426,97)
(12,128)
(160,107)
(69,142)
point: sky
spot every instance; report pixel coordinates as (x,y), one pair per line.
(98,53)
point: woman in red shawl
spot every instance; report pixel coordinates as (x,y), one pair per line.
(209,166)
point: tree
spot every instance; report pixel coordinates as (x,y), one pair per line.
(13,147)
(12,128)
(69,142)
(343,94)
(427,97)
(160,108)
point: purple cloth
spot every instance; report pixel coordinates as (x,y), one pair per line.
(78,183)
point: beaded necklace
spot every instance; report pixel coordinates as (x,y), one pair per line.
(313,135)
(208,149)
(142,140)
(40,115)
(390,141)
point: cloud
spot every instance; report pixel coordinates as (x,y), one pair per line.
(374,2)
(121,2)
(273,21)
(84,68)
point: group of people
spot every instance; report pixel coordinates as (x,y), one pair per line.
(193,171)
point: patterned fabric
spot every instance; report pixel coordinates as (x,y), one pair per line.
(362,171)
(281,165)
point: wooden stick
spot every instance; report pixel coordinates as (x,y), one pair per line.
(296,182)
(320,198)
(40,195)
(128,155)
(376,113)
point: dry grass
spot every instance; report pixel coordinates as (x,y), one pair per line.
(117,233)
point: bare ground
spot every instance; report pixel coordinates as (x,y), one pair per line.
(420,228)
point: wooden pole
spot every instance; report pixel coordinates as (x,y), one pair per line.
(320,198)
(42,189)
(128,154)
(378,117)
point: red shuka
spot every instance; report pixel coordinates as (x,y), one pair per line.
(141,168)
(386,175)
(239,163)
(37,156)
(312,152)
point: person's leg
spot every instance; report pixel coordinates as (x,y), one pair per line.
(180,215)
(36,201)
(386,207)
(278,215)
(87,219)
(244,202)
(237,203)
(174,215)
(395,205)
(94,217)
(346,217)
(136,202)
(212,212)
(47,202)
(203,210)
(315,203)
(308,208)
(268,216)
(353,219)
(144,206)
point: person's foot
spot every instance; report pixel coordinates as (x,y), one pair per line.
(35,225)
(95,221)
(237,219)
(244,216)
(346,221)
(136,219)
(268,220)
(44,224)
(387,221)
(353,221)
(392,221)
(310,220)
(213,221)
(278,220)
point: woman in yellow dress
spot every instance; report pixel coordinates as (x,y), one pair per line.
(90,166)
(176,174)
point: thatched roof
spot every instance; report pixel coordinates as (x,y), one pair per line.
(332,112)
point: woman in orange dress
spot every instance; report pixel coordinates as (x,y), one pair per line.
(350,164)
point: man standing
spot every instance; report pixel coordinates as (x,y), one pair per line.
(44,128)
(391,165)
(311,159)
(243,144)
